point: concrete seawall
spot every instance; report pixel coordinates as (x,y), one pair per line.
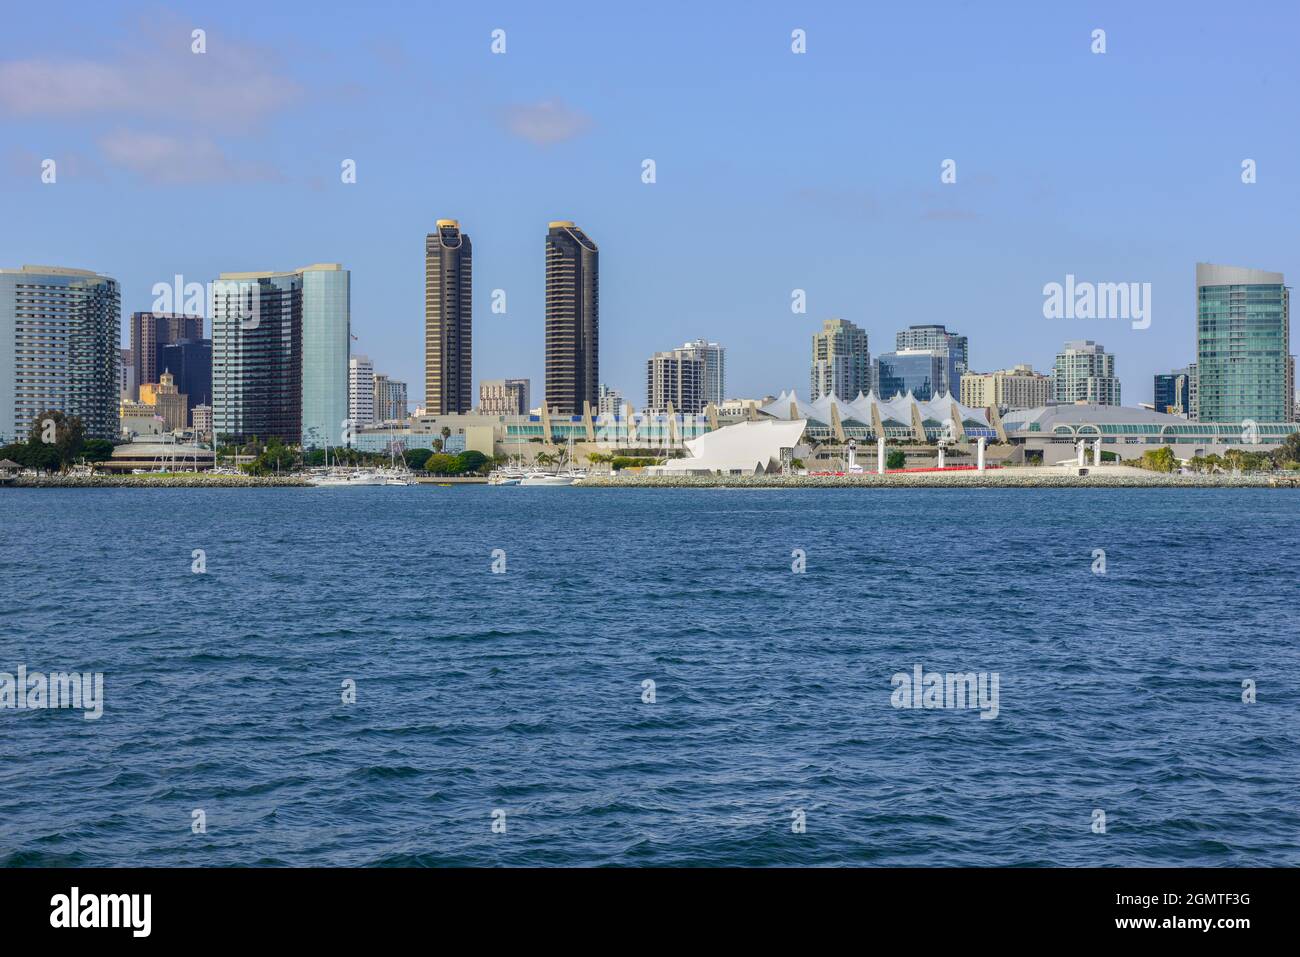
(195,480)
(1115,477)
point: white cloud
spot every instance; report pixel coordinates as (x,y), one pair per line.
(172,160)
(546,122)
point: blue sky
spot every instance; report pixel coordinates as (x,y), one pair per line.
(775,171)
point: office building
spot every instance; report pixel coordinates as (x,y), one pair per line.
(1172,392)
(280,343)
(150,331)
(167,402)
(675,377)
(201,421)
(572,320)
(1085,372)
(841,361)
(59,349)
(1243,344)
(936,338)
(190,363)
(126,384)
(918,371)
(361,391)
(504,397)
(1019,387)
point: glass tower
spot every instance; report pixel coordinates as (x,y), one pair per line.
(1243,344)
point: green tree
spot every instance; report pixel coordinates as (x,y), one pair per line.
(415,458)
(440,464)
(895,459)
(470,461)
(97,450)
(63,433)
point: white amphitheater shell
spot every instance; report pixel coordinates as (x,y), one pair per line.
(745,448)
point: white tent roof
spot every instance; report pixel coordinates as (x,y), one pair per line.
(899,409)
(746,446)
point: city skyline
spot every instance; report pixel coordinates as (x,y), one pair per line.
(1021,213)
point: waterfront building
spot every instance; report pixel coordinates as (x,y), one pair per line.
(503,397)
(610,401)
(1019,387)
(905,418)
(150,332)
(1085,372)
(937,339)
(280,343)
(59,349)
(714,357)
(1051,434)
(572,320)
(448,315)
(841,361)
(918,371)
(1243,344)
(390,399)
(741,448)
(361,391)
(190,363)
(676,378)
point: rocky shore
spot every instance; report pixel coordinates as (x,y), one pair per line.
(997,478)
(178,480)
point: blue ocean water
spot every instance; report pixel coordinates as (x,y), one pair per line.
(522,692)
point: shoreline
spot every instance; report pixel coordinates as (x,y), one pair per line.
(185,480)
(1001,478)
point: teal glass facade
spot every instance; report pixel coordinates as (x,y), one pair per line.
(1243,343)
(326,331)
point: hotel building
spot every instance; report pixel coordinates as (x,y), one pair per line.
(59,349)
(1243,345)
(448,311)
(572,320)
(280,343)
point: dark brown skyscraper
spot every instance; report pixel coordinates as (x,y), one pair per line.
(448,274)
(150,331)
(572,320)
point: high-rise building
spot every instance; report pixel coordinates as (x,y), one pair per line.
(361,391)
(715,369)
(60,332)
(934,338)
(448,312)
(150,331)
(918,371)
(201,421)
(841,361)
(504,396)
(677,377)
(390,399)
(1193,394)
(610,401)
(1085,373)
(1243,344)
(1019,387)
(572,319)
(190,363)
(280,343)
(126,384)
(1172,392)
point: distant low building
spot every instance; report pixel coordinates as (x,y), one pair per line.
(1019,387)
(504,396)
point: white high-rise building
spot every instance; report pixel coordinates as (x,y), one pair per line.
(361,391)
(1085,373)
(611,401)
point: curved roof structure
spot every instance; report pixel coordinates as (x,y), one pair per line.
(746,447)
